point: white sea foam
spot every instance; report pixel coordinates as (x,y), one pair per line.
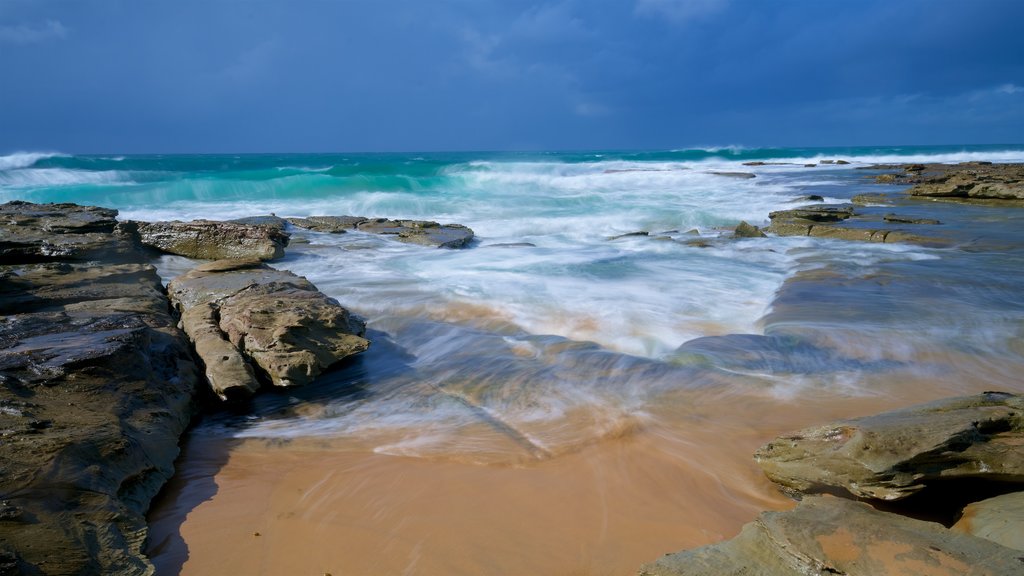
(50,177)
(24,159)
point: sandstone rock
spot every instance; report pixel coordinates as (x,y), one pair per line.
(892,455)
(968,180)
(826,536)
(424,233)
(212,240)
(870,199)
(809,198)
(329,224)
(96,386)
(248,319)
(999,519)
(746,230)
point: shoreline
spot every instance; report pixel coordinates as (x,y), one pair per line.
(671,445)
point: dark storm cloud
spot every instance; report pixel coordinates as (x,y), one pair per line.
(309,75)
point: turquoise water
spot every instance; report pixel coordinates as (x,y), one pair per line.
(522,327)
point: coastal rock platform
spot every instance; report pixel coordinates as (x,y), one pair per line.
(96,387)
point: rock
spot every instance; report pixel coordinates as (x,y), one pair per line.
(895,454)
(809,198)
(967,181)
(871,199)
(810,165)
(422,232)
(213,240)
(745,230)
(328,224)
(825,535)
(629,235)
(249,321)
(907,220)
(999,519)
(742,175)
(825,213)
(269,220)
(61,232)
(96,387)
(835,162)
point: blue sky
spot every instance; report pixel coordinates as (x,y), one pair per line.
(402,75)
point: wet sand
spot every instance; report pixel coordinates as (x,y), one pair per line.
(323,506)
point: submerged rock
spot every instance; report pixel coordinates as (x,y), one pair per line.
(841,222)
(825,535)
(422,232)
(741,175)
(895,454)
(213,240)
(248,320)
(96,387)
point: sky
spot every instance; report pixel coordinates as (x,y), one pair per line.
(192,76)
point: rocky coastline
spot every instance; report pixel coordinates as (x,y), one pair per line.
(103,369)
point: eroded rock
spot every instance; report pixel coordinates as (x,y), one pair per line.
(828,536)
(96,387)
(967,181)
(895,454)
(747,230)
(999,519)
(422,232)
(248,320)
(213,240)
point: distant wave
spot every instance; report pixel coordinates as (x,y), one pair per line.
(44,177)
(24,159)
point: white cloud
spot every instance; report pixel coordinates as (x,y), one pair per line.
(28,34)
(678,11)
(1009,89)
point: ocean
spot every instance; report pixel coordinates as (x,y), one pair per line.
(563,396)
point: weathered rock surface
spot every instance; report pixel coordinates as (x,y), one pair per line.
(422,232)
(832,536)
(747,230)
(96,386)
(267,220)
(892,455)
(830,221)
(248,320)
(999,519)
(61,232)
(969,180)
(329,224)
(213,240)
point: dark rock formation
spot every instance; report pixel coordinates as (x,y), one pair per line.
(61,232)
(741,175)
(896,218)
(267,220)
(894,454)
(828,536)
(212,240)
(247,319)
(329,224)
(630,235)
(96,386)
(422,232)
